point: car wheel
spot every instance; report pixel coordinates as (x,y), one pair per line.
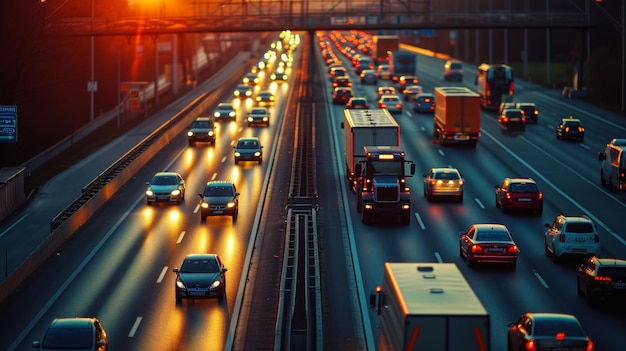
(364,217)
(260,160)
(611,186)
(592,300)
(178,300)
(497,204)
(512,264)
(545,248)
(405,219)
(582,138)
(469,261)
(202,219)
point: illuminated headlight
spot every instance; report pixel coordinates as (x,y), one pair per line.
(248,93)
(265,119)
(149,192)
(216,284)
(257,154)
(258,98)
(210,133)
(250,119)
(180,284)
(273,76)
(231,113)
(216,114)
(230,204)
(190,133)
(237,153)
(237,93)
(368,207)
(204,204)
(406,207)
(175,192)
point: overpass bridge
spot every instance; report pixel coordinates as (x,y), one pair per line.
(204,16)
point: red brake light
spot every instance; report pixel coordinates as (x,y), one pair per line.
(540,196)
(476,248)
(560,336)
(589,345)
(600,278)
(512,249)
(530,345)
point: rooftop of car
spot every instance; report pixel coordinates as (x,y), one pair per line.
(491,227)
(611,262)
(73,323)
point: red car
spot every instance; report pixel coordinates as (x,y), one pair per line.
(341,95)
(519,194)
(489,243)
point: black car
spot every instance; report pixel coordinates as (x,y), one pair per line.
(570,128)
(219,198)
(529,110)
(601,279)
(201,276)
(74,333)
(512,117)
(202,129)
(547,331)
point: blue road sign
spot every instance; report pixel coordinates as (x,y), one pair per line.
(8,124)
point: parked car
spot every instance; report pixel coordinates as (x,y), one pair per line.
(570,129)
(519,194)
(219,198)
(602,279)
(571,235)
(74,333)
(259,116)
(165,187)
(424,103)
(443,182)
(488,243)
(200,276)
(248,149)
(225,110)
(547,331)
(201,129)
(391,102)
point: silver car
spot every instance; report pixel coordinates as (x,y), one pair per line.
(165,187)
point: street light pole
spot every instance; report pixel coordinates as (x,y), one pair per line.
(92,86)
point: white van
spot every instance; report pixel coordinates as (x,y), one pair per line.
(613,169)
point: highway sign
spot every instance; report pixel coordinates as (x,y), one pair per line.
(8,124)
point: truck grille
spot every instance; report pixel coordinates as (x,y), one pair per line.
(387,193)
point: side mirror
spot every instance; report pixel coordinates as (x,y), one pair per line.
(412,169)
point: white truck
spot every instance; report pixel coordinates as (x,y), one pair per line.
(429,306)
(613,168)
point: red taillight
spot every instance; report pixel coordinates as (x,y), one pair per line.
(530,345)
(600,278)
(524,119)
(512,249)
(476,248)
(540,196)
(596,238)
(562,238)
(589,345)
(507,195)
(560,336)
(511,88)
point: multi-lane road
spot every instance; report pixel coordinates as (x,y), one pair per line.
(119,268)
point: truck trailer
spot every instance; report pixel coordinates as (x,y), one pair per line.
(457,116)
(402,63)
(429,306)
(383,46)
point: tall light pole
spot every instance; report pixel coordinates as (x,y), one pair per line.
(92,84)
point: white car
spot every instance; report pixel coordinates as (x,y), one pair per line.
(571,235)
(392,103)
(165,187)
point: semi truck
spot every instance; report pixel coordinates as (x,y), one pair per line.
(457,116)
(383,46)
(429,306)
(402,63)
(375,165)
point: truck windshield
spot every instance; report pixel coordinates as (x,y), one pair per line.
(387,167)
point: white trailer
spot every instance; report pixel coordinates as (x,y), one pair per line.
(429,306)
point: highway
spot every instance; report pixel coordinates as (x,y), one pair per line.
(119,267)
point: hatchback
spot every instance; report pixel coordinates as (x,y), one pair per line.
(571,235)
(547,331)
(201,276)
(424,102)
(410,92)
(368,76)
(259,116)
(443,182)
(488,243)
(392,103)
(453,70)
(225,110)
(202,129)
(512,117)
(601,279)
(570,128)
(77,334)
(165,187)
(519,194)
(248,149)
(243,91)
(529,110)
(357,103)
(265,98)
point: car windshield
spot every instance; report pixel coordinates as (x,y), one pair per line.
(68,338)
(258,112)
(445,175)
(201,124)
(164,180)
(614,272)
(551,328)
(218,191)
(199,266)
(581,227)
(456,65)
(248,144)
(492,236)
(224,107)
(523,188)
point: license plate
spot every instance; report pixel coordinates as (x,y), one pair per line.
(524,199)
(514,119)
(580,250)
(218,211)
(619,285)
(197,293)
(495,249)
(461,137)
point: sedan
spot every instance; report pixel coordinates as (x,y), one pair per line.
(248,149)
(201,276)
(251,79)
(547,331)
(392,103)
(570,128)
(512,117)
(489,243)
(443,182)
(225,110)
(243,91)
(410,92)
(424,103)
(357,103)
(519,194)
(602,279)
(342,81)
(76,333)
(368,76)
(265,98)
(259,116)
(165,187)
(341,95)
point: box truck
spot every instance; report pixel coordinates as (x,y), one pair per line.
(457,116)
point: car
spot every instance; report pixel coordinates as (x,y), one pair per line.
(424,102)
(410,92)
(512,117)
(357,102)
(443,182)
(279,75)
(265,98)
(571,235)
(342,81)
(201,129)
(200,276)
(368,76)
(337,72)
(219,198)
(225,110)
(259,115)
(530,111)
(519,194)
(392,103)
(251,79)
(547,331)
(601,279)
(383,72)
(341,95)
(74,333)
(488,243)
(243,91)
(453,70)
(363,63)
(505,105)
(385,90)
(248,149)
(404,81)
(165,187)
(570,128)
